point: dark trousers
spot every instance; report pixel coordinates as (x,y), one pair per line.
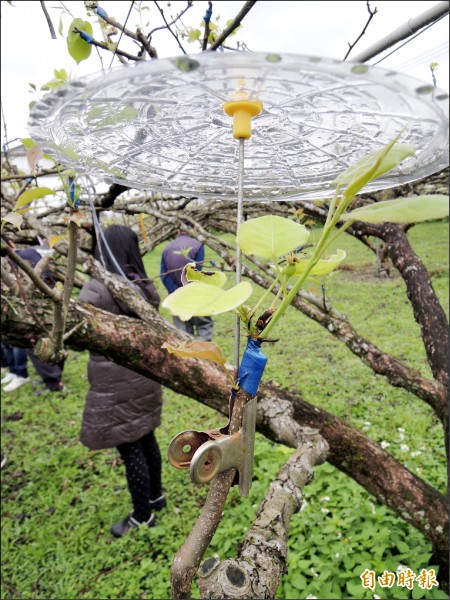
(142,460)
(200,327)
(15,359)
(49,373)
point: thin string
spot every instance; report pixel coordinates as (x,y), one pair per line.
(101,240)
(121,33)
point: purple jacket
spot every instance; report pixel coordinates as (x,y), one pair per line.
(175,256)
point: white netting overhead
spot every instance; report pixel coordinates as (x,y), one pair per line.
(160,125)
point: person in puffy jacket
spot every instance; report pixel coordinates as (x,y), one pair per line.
(123,408)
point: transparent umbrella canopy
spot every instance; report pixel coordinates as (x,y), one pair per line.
(160,125)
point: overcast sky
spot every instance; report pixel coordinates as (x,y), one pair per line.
(29,55)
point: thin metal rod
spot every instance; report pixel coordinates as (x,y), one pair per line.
(237,326)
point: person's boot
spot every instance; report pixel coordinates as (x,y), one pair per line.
(123,527)
(158,503)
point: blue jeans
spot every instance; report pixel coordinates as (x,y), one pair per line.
(16,360)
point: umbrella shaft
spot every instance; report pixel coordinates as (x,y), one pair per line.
(237,326)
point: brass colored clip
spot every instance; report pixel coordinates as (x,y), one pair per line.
(207,453)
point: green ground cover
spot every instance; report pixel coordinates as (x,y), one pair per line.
(59,499)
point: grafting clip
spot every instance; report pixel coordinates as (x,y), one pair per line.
(207,453)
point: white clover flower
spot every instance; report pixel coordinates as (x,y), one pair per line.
(338,535)
(337,555)
(404,447)
(314,572)
(416,453)
(401,568)
(384,444)
(401,437)
(325,510)
(311,597)
(326,498)
(400,429)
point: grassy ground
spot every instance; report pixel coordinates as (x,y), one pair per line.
(59,499)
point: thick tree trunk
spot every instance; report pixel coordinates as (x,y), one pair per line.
(137,345)
(427,309)
(428,312)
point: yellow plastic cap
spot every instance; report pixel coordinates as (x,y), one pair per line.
(242,112)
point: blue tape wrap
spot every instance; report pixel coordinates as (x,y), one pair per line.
(71,182)
(86,37)
(101,12)
(208,15)
(73,203)
(252,367)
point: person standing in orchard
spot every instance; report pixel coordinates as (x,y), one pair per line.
(123,408)
(178,253)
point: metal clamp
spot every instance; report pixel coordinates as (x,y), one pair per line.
(207,453)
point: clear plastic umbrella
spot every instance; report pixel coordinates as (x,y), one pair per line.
(168,125)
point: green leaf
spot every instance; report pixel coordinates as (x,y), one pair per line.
(78,49)
(298,581)
(200,299)
(60,25)
(15,219)
(216,278)
(194,35)
(28,143)
(402,210)
(354,589)
(323,266)
(30,195)
(372,166)
(50,85)
(270,236)
(435,593)
(61,74)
